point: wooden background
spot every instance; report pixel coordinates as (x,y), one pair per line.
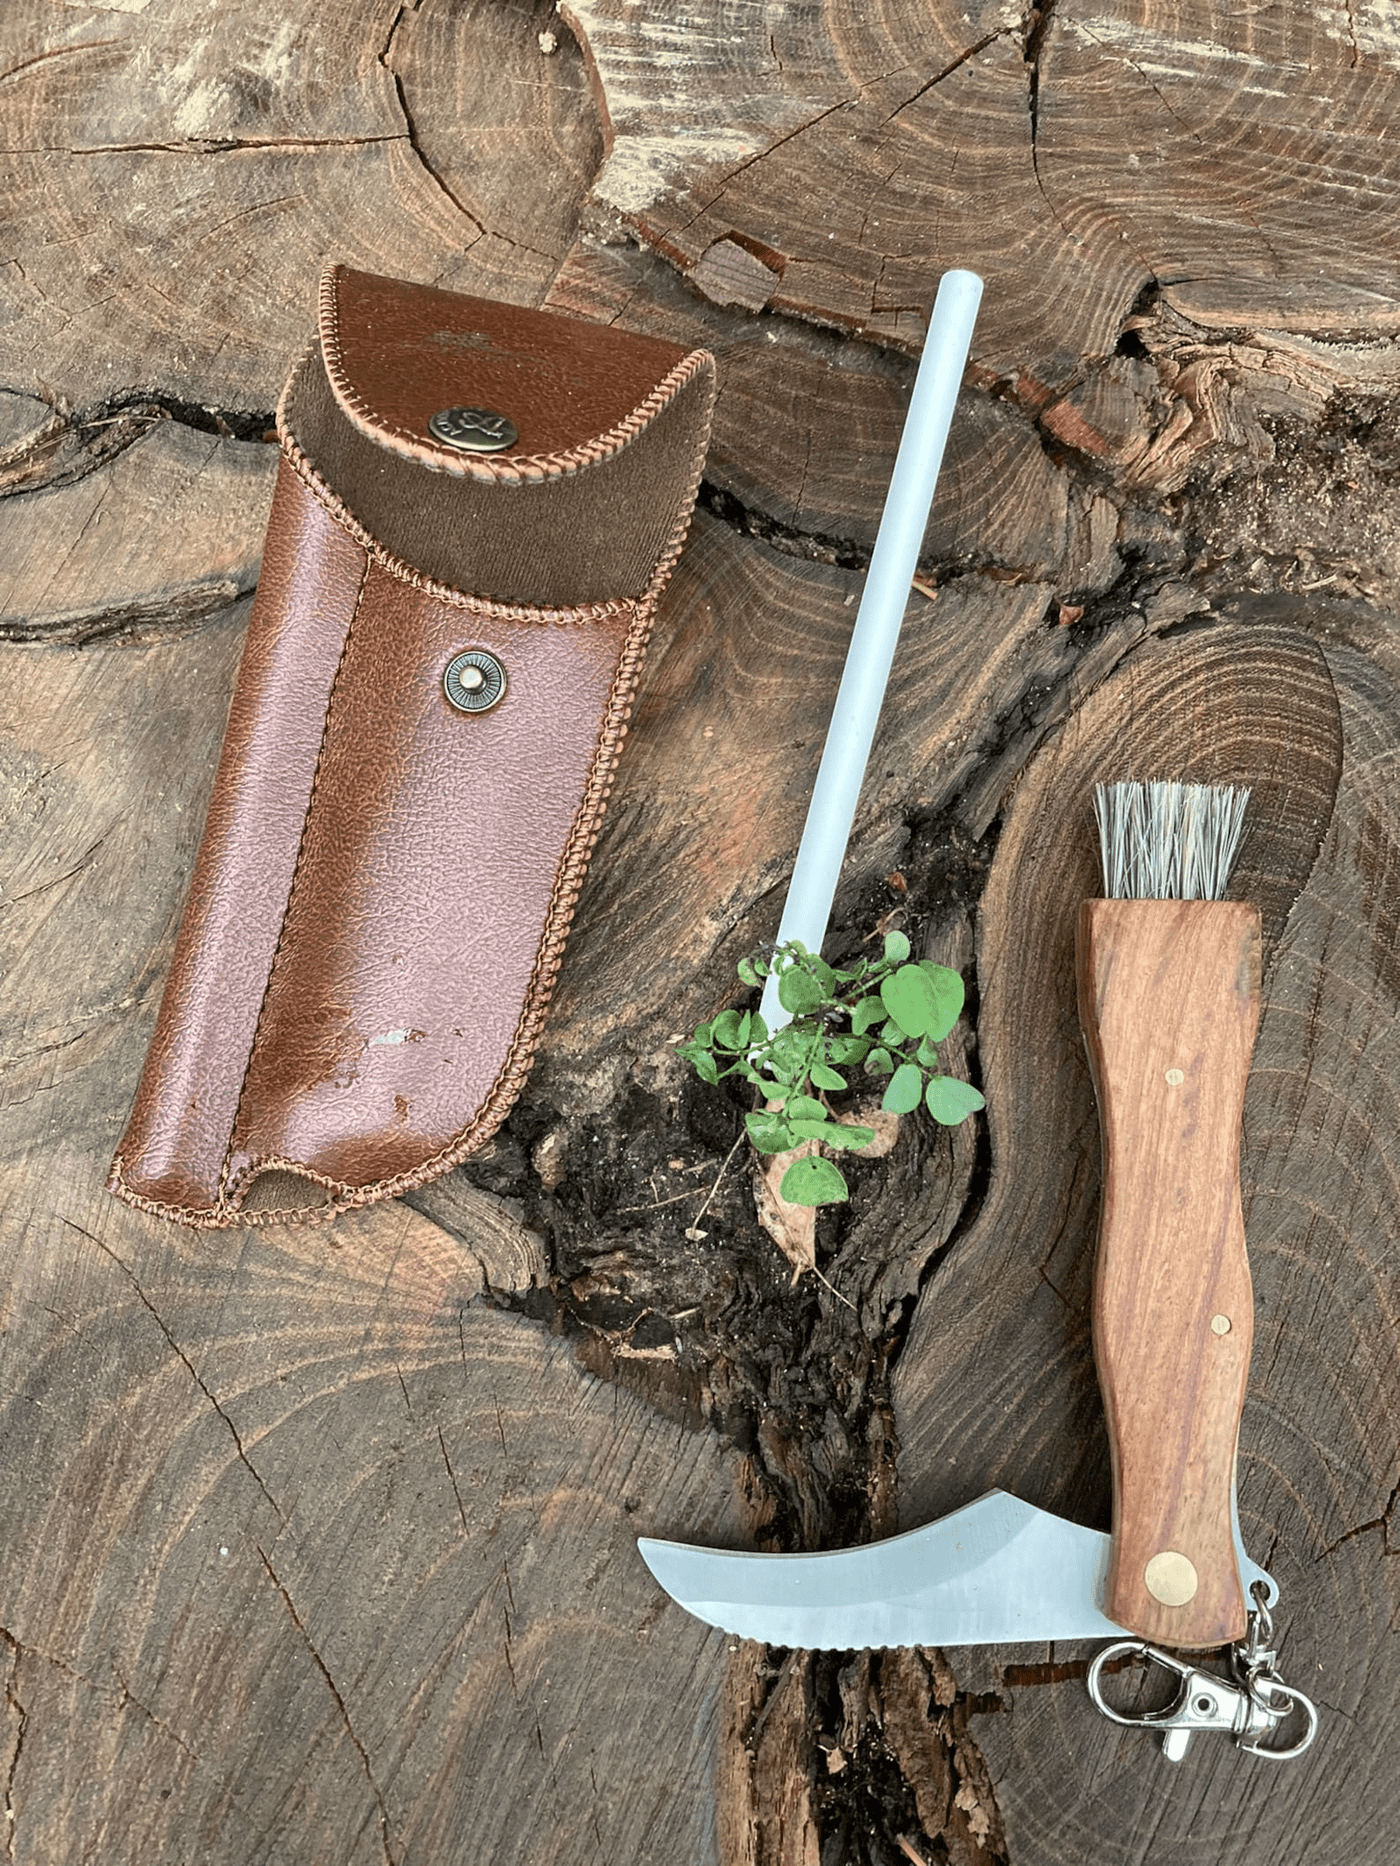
(317,1545)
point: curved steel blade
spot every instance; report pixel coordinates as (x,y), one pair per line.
(996,1571)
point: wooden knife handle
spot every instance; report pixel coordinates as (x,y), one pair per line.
(1169,1001)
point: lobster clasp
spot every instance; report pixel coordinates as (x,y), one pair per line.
(1202,1702)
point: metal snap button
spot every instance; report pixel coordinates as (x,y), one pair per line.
(473,430)
(475,681)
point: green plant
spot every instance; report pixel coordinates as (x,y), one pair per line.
(884,1016)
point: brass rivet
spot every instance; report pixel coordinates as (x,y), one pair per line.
(473,430)
(1220,1324)
(475,681)
(1171,1578)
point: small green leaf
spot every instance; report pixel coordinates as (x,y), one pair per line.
(867,1013)
(849,1137)
(787,1051)
(879,1063)
(748,975)
(896,946)
(951,993)
(904,1091)
(770,1133)
(891,1033)
(951,1101)
(814,1130)
(705,1066)
(923,1004)
(848,1050)
(813,1181)
(827,1078)
(798,992)
(731,1030)
(758,1030)
(804,1108)
(927,1052)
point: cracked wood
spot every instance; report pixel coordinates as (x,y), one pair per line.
(205,172)
(869,150)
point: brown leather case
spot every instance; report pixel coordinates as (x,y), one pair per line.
(381,898)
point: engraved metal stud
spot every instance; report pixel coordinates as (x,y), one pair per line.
(475,681)
(473,430)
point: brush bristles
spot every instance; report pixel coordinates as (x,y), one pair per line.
(1168,842)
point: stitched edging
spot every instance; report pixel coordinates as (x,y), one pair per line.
(221,1214)
(325,495)
(521,468)
(219,1217)
(568,884)
(569,876)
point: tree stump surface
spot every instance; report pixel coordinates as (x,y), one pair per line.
(319,1544)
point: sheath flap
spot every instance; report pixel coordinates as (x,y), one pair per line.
(396,355)
(609,429)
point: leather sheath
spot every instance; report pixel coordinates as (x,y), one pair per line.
(385,883)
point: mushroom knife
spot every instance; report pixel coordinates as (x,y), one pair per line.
(1169,987)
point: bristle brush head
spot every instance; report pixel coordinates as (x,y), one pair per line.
(1164,841)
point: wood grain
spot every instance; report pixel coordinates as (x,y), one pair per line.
(193,169)
(164,534)
(1169,1004)
(858,161)
(861,153)
(807,424)
(1167,534)
(709,801)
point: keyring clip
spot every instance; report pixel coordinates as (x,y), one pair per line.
(1250,1706)
(1202,1701)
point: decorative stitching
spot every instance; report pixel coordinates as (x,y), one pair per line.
(223,1217)
(493,467)
(570,872)
(564,897)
